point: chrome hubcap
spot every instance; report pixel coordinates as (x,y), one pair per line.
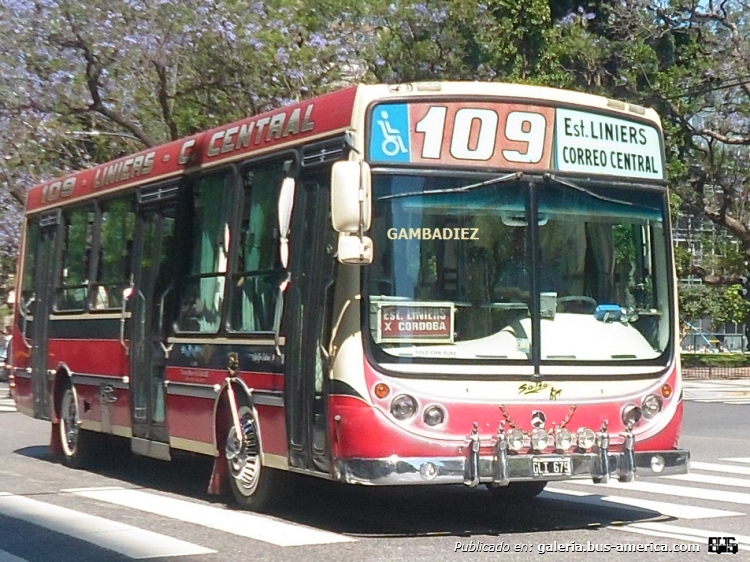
(243,456)
(69,422)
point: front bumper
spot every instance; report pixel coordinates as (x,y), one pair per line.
(512,468)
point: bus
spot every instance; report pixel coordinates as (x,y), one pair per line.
(414,284)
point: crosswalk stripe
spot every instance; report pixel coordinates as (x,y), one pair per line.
(745,460)
(250,525)
(664,508)
(687,534)
(121,538)
(724,400)
(714,467)
(673,490)
(8,557)
(711,479)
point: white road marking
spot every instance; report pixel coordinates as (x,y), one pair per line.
(711,479)
(713,467)
(250,525)
(8,557)
(686,534)
(744,459)
(671,490)
(124,539)
(635,504)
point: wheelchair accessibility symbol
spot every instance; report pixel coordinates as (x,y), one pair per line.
(392,141)
(390,134)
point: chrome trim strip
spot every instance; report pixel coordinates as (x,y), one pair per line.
(275,461)
(25,411)
(97,380)
(193,446)
(224,341)
(268,398)
(403,471)
(91,425)
(194,390)
(88,316)
(153,449)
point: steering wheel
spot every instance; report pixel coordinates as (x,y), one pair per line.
(587,304)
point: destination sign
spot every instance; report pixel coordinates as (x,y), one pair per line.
(598,144)
(514,136)
(417,322)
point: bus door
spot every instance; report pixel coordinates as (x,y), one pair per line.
(150,301)
(38,304)
(308,321)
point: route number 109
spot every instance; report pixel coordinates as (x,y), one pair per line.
(475,132)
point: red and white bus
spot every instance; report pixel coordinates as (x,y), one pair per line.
(429,283)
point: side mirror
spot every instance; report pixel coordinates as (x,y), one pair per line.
(354,250)
(351,197)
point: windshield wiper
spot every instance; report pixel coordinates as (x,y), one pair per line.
(566,183)
(491,181)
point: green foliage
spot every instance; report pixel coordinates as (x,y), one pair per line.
(720,304)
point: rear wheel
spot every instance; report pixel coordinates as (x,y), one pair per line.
(73,440)
(518,491)
(254,486)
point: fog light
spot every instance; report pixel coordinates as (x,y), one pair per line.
(403,407)
(428,471)
(563,439)
(586,438)
(515,440)
(434,415)
(539,439)
(657,463)
(651,405)
(631,414)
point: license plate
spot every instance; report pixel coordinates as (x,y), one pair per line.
(557,466)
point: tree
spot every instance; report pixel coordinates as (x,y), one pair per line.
(142,72)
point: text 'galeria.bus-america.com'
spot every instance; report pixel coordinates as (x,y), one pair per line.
(428,283)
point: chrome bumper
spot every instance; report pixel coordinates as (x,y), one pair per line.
(503,469)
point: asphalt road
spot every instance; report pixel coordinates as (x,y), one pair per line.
(134,508)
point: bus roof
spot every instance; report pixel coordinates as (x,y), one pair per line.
(316,118)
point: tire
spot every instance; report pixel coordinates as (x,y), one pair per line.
(73,440)
(255,487)
(518,491)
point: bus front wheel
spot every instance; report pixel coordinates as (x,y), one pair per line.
(254,486)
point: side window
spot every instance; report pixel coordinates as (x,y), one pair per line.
(255,282)
(29,262)
(113,268)
(203,288)
(73,284)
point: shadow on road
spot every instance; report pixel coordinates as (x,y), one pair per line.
(373,512)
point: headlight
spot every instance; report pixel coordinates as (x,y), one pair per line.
(403,407)
(586,438)
(651,405)
(563,439)
(434,415)
(515,440)
(631,414)
(539,439)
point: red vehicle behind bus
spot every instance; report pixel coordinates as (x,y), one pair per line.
(428,283)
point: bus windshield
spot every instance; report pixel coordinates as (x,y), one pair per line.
(455,270)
